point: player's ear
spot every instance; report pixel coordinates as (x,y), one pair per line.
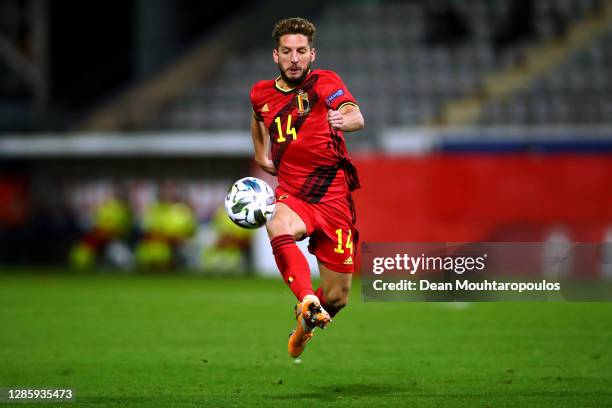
(313,54)
(275,55)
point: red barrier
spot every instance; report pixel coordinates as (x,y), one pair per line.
(13,201)
(477,197)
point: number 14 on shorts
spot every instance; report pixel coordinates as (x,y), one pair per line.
(342,244)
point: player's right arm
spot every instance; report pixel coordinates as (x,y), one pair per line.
(261,143)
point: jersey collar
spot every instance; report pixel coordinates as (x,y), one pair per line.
(289,90)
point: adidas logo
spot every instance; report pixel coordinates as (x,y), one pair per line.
(265,108)
(349,261)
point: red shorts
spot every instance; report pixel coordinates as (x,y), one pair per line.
(331,228)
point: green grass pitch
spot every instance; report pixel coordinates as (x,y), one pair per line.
(177,341)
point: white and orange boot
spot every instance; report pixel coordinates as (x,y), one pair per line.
(309,315)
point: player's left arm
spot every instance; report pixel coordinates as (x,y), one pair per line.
(347,119)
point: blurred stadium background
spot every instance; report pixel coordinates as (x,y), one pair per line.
(122,124)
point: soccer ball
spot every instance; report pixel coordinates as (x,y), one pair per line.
(250,202)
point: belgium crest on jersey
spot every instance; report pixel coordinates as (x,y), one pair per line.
(302,103)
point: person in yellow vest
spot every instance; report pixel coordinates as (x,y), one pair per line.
(230,251)
(112,221)
(166,225)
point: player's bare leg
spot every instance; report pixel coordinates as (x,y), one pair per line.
(285,221)
(334,290)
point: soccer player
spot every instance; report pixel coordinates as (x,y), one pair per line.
(297,125)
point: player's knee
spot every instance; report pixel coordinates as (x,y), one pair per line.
(282,225)
(277,226)
(272,228)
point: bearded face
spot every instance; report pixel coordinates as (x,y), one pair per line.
(294,57)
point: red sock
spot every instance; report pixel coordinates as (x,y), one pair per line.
(321,296)
(292,265)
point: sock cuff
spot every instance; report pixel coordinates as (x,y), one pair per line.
(280,241)
(304,292)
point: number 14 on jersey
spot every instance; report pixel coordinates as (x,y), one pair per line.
(344,245)
(290,130)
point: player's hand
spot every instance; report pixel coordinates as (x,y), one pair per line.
(335,119)
(267,165)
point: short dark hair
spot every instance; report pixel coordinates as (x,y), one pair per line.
(294,25)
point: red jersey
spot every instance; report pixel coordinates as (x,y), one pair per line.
(310,157)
